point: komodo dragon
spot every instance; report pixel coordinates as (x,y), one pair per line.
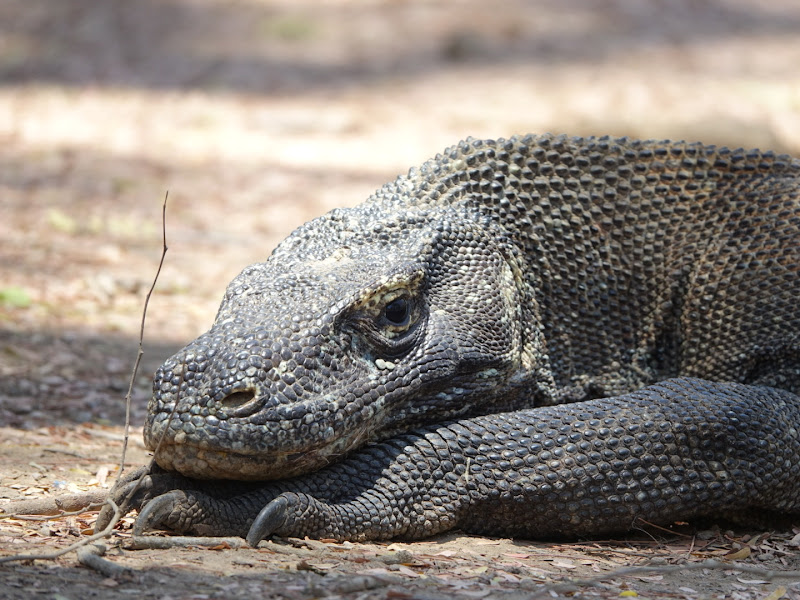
(540,337)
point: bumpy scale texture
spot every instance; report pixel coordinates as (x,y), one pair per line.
(543,336)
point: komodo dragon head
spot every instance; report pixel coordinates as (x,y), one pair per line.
(362,323)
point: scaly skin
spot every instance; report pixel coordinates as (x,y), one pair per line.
(544,278)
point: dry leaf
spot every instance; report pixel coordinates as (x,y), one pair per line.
(222,546)
(777,593)
(564,564)
(738,554)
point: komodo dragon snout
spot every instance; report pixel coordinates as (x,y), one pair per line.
(341,335)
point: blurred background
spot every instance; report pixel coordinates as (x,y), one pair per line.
(257,115)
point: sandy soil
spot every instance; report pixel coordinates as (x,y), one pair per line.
(256,115)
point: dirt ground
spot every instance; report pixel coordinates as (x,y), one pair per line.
(256,115)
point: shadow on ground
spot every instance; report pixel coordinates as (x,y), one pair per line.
(53,379)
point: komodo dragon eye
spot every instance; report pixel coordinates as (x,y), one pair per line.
(398,312)
(389,314)
(391,322)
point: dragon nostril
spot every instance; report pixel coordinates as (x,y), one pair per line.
(239,398)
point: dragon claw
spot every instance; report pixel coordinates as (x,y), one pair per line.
(269,520)
(156,512)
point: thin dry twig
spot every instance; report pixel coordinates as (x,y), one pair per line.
(159,542)
(92,557)
(140,352)
(153,542)
(48,508)
(87,540)
(126,435)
